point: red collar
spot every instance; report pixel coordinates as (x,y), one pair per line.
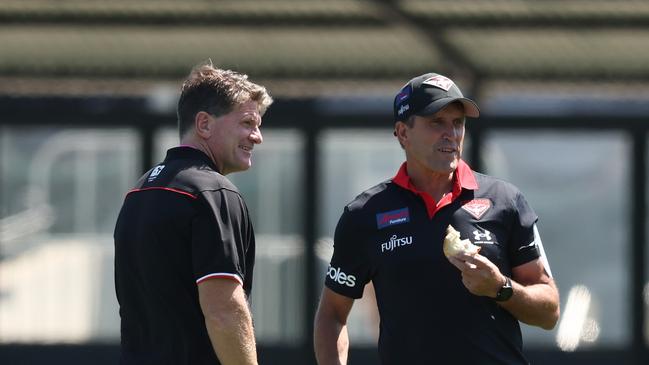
(462,179)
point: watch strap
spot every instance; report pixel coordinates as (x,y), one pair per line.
(505,291)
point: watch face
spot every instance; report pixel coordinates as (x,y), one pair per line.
(505,292)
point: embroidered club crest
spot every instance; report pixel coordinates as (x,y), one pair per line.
(477,207)
(439,81)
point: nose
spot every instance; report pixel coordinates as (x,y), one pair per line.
(454,130)
(256,136)
(451,132)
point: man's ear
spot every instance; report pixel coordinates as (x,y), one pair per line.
(400,129)
(202,124)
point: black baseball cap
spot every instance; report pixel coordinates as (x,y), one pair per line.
(427,94)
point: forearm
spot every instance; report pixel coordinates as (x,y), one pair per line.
(232,335)
(331,343)
(535,304)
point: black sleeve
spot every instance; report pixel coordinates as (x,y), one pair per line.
(220,236)
(522,247)
(349,269)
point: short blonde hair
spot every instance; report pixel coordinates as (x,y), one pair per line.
(216,91)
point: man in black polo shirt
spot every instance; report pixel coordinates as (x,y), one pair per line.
(433,310)
(184,243)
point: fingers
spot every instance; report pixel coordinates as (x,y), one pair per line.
(456,262)
(476,260)
(461,263)
(479,275)
(476,266)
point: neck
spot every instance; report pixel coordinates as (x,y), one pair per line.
(201,146)
(435,183)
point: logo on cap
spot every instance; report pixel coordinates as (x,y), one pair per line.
(404,94)
(439,81)
(403,108)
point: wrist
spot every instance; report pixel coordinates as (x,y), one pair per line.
(506,290)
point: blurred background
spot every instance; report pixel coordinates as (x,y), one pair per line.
(87,103)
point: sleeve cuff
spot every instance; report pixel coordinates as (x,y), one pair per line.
(221,275)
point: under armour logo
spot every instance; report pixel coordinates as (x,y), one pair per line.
(482,236)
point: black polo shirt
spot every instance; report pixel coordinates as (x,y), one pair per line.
(393,234)
(182,223)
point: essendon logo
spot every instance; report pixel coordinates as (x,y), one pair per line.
(439,81)
(477,207)
(392,217)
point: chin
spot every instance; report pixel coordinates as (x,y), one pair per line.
(241,169)
(444,167)
(245,165)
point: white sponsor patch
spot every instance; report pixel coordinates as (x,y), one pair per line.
(155,172)
(396,242)
(340,277)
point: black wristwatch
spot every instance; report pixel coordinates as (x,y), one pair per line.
(505,291)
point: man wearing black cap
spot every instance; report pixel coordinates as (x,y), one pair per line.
(464,309)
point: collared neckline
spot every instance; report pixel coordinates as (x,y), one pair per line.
(185,151)
(463,178)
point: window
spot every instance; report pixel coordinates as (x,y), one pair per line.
(577,183)
(61,191)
